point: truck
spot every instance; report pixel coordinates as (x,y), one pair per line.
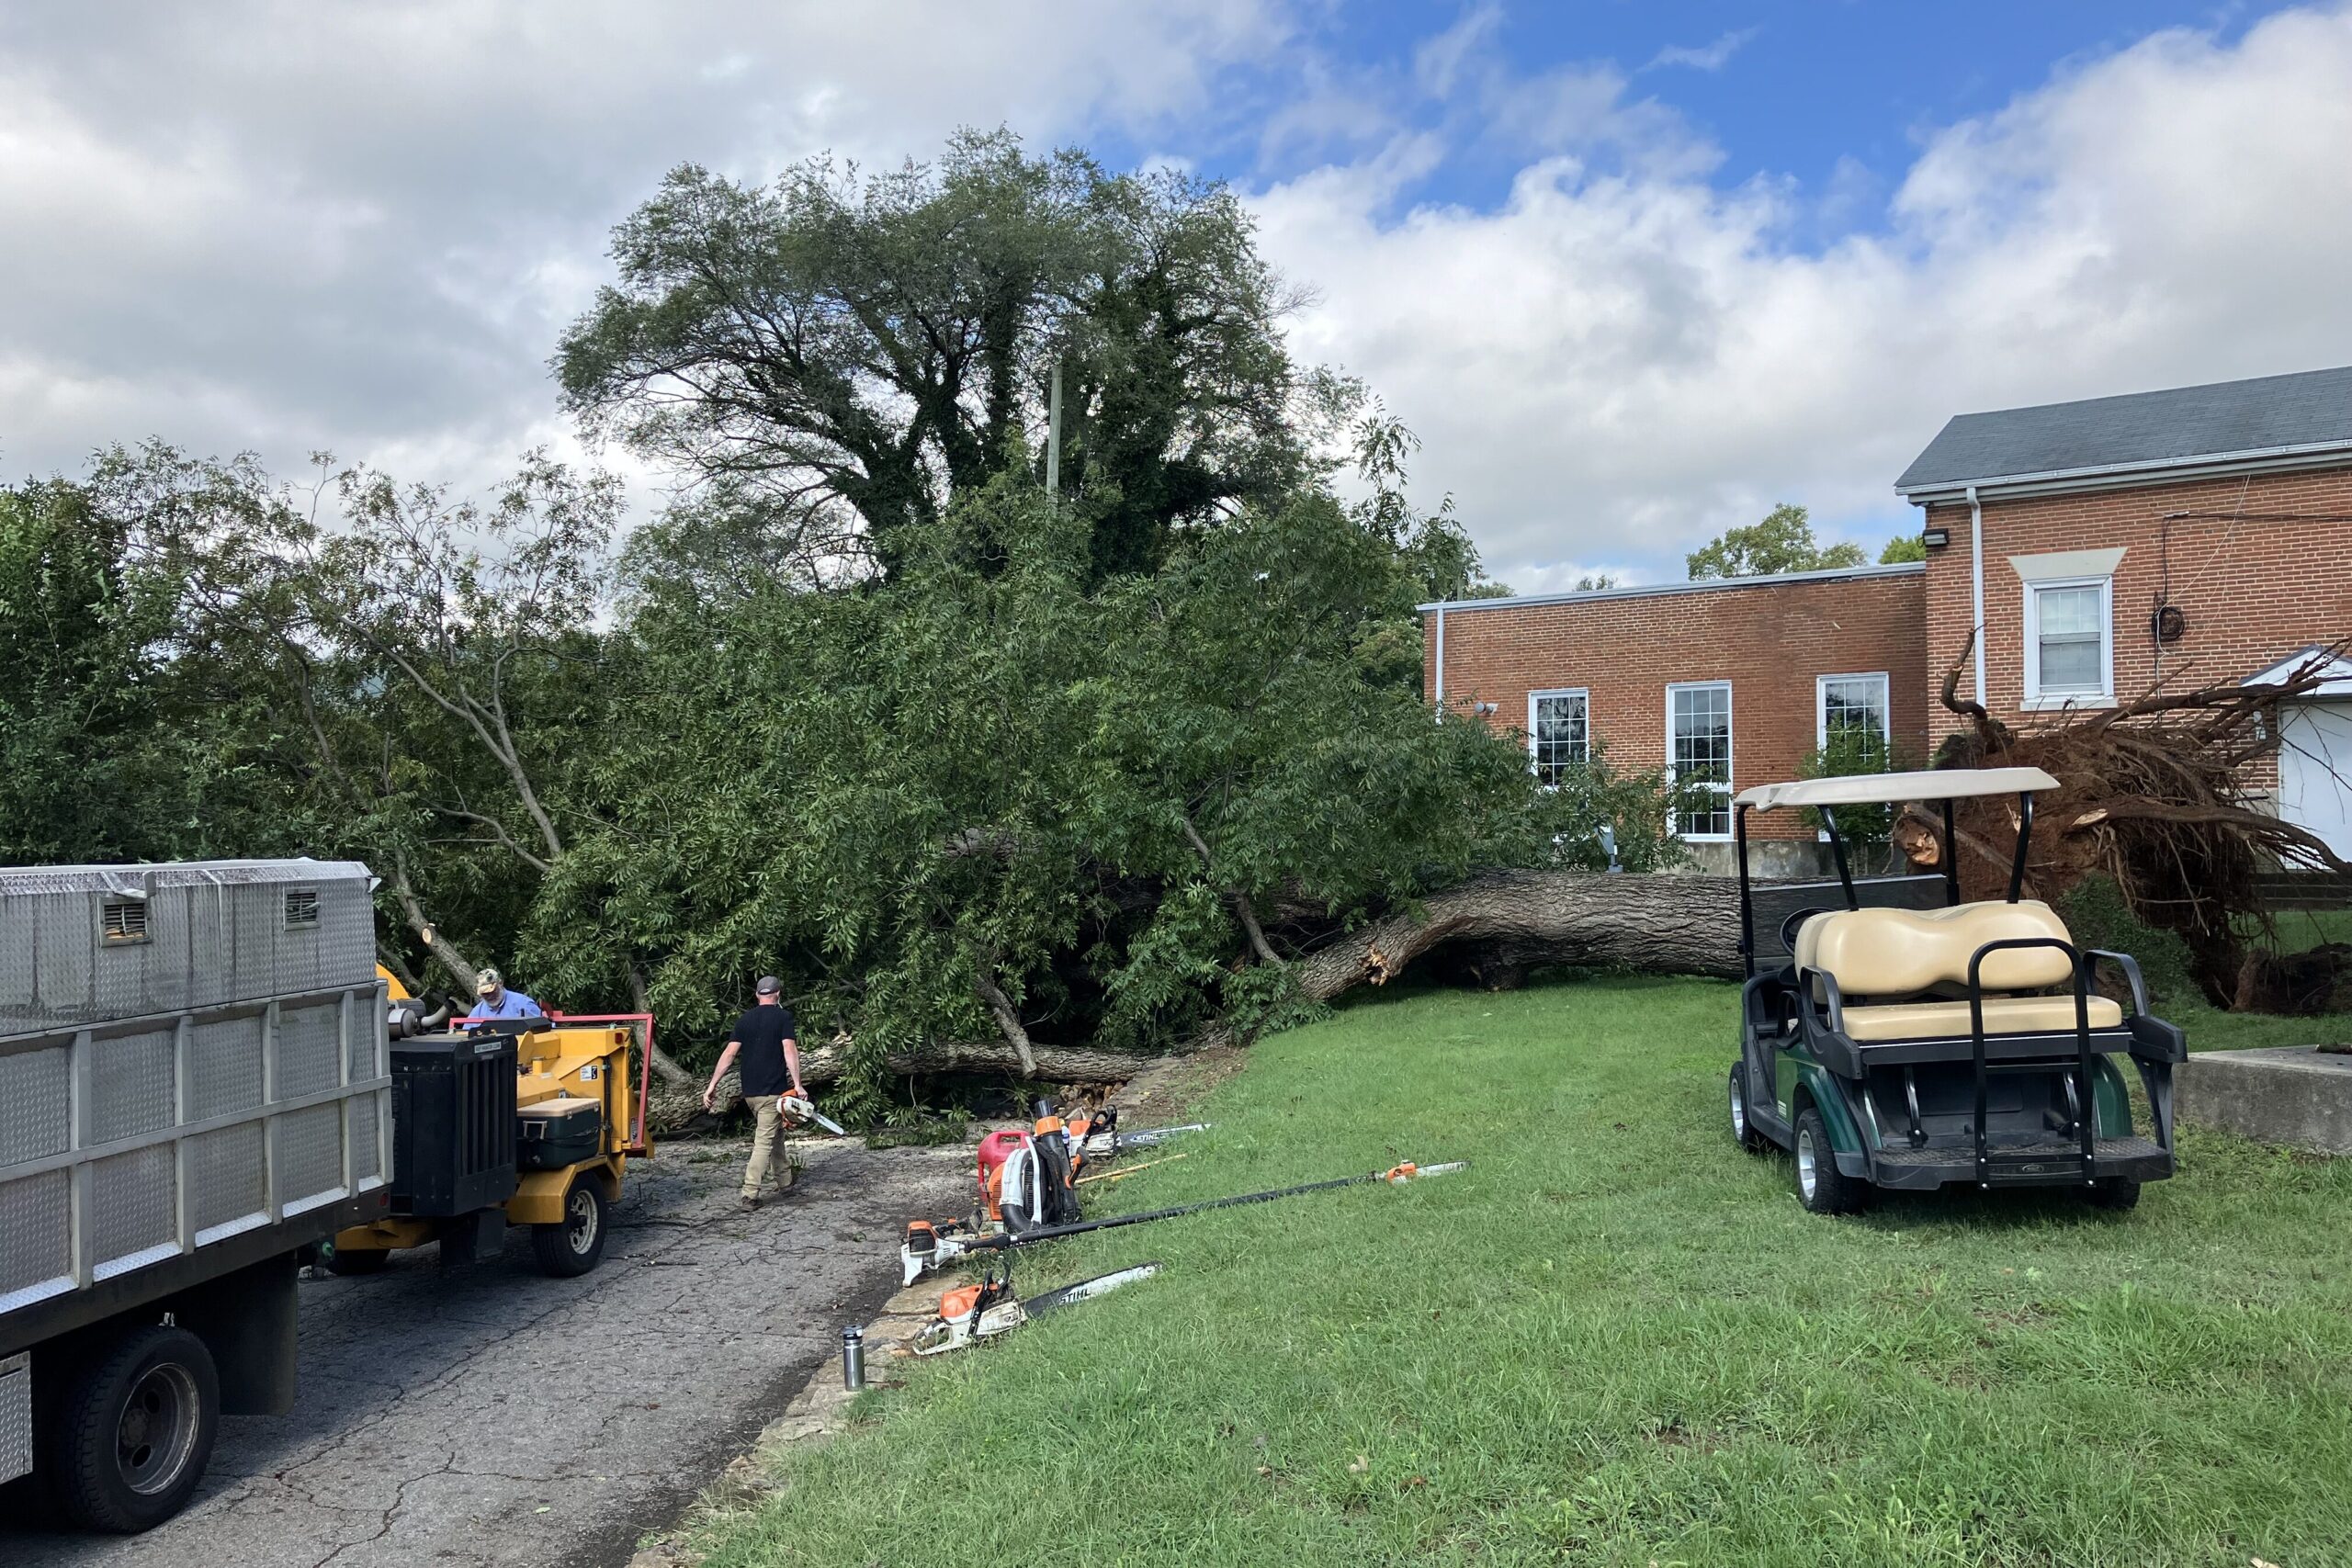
(205,1082)
(193,1089)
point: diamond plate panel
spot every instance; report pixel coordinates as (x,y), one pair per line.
(133,1084)
(36,1105)
(133,1202)
(367,1041)
(224,1067)
(216,932)
(225,1175)
(365,1125)
(36,1240)
(16,1416)
(309,1048)
(309,1151)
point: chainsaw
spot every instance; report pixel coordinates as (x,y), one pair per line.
(935,1244)
(799,1110)
(970,1313)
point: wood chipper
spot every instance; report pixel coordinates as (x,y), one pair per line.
(511,1120)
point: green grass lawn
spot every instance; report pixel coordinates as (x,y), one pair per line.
(1615,1340)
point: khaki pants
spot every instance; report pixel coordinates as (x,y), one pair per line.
(767,1143)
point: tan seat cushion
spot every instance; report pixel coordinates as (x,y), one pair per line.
(1900,953)
(2003,1015)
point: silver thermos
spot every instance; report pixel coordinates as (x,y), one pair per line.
(852,1358)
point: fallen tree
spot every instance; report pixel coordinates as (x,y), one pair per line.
(1506,921)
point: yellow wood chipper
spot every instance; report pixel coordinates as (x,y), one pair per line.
(510,1121)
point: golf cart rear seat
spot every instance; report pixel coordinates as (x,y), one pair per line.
(1914,963)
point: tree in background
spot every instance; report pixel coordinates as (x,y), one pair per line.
(1783,541)
(1903,548)
(121,735)
(832,360)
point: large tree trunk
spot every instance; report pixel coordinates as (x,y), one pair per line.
(1687,925)
(1659,924)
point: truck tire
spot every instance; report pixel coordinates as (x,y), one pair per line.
(1820,1186)
(571,1246)
(135,1430)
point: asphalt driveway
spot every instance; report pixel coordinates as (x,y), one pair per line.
(486,1415)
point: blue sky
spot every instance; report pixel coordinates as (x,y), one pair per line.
(1635,272)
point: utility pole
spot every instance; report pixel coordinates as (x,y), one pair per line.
(1054,434)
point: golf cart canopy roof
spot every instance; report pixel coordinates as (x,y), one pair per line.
(1878,789)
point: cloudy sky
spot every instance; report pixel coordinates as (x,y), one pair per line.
(1634,271)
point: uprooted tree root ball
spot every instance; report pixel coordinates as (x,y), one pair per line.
(2161,794)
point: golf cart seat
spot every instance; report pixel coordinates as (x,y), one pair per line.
(1913,964)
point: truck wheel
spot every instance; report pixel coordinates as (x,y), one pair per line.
(358,1261)
(1820,1188)
(1743,1130)
(572,1247)
(136,1430)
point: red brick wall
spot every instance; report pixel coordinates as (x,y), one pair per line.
(2254,590)
(1770,641)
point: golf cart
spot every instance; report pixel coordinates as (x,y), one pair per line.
(1892,1035)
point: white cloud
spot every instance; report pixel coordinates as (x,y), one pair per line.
(275,225)
(1707,56)
(1615,365)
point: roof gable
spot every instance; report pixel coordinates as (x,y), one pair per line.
(2269,415)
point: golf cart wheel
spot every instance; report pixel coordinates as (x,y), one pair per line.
(1820,1186)
(1743,1129)
(2116,1192)
(136,1431)
(572,1244)
(358,1261)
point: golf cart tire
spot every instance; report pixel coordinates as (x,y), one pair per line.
(1825,1190)
(2116,1194)
(358,1261)
(571,1246)
(97,1483)
(1743,1125)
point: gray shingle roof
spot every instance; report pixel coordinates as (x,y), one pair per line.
(2228,418)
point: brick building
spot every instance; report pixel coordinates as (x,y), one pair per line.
(2188,536)
(1738,679)
(2184,537)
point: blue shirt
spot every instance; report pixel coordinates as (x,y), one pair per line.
(513,1004)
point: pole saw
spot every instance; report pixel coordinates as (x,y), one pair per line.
(931,1245)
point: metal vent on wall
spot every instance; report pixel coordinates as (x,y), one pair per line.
(301,907)
(123,920)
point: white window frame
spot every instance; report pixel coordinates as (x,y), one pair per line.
(1885,704)
(2033,699)
(1533,762)
(1731,751)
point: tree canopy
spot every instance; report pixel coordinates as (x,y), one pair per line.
(833,358)
(868,708)
(1783,541)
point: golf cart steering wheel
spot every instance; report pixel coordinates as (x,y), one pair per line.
(1788,928)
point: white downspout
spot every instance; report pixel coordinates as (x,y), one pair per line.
(1976,586)
(1439,701)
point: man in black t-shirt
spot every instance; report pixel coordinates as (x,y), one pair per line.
(763,1038)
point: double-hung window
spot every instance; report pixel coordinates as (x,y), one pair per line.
(1558,736)
(1697,754)
(2069,642)
(1855,706)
